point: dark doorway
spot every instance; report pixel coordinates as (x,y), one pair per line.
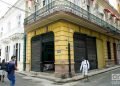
(91,52)
(79,50)
(84,46)
(108,50)
(16,54)
(47,56)
(43,53)
(115,53)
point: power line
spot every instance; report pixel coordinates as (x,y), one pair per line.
(13,6)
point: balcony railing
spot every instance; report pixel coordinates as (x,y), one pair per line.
(67,6)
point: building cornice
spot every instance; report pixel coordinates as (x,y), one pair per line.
(65,10)
(14,37)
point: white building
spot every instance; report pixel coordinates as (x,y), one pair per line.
(12,34)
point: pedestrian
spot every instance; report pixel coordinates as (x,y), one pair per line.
(3,68)
(84,68)
(11,67)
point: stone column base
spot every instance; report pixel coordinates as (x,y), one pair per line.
(27,67)
(62,70)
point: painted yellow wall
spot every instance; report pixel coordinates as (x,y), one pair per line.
(28,50)
(100,53)
(63,33)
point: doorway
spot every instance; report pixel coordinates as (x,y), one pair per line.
(84,47)
(42,53)
(115,53)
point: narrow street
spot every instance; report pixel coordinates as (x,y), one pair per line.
(22,80)
(97,80)
(104,79)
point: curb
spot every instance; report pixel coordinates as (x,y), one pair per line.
(75,78)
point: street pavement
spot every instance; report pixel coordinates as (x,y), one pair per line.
(103,79)
(22,80)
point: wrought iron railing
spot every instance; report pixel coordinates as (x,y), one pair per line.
(67,6)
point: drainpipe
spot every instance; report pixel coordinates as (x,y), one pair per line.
(69,60)
(24,54)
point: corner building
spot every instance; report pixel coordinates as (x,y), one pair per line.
(61,32)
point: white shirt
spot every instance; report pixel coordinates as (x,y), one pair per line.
(84,65)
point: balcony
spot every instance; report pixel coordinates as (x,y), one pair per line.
(69,7)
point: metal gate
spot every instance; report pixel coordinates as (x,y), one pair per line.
(42,52)
(79,50)
(36,49)
(91,52)
(84,46)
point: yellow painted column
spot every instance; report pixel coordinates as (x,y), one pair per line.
(105,51)
(28,50)
(100,53)
(62,37)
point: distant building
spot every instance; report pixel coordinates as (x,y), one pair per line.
(61,32)
(12,34)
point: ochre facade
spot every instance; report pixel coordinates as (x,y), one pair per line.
(63,33)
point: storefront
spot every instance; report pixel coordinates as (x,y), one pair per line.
(47,48)
(42,58)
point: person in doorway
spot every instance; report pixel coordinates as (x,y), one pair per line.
(11,67)
(3,68)
(84,68)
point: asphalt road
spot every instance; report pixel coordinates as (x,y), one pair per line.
(104,79)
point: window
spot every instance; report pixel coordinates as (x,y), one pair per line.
(44,2)
(19,20)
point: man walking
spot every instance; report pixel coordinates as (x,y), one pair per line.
(84,68)
(11,67)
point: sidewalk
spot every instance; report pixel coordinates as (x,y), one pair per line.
(79,76)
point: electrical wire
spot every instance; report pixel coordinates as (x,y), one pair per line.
(13,6)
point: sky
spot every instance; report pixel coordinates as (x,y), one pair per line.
(113,3)
(4,7)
